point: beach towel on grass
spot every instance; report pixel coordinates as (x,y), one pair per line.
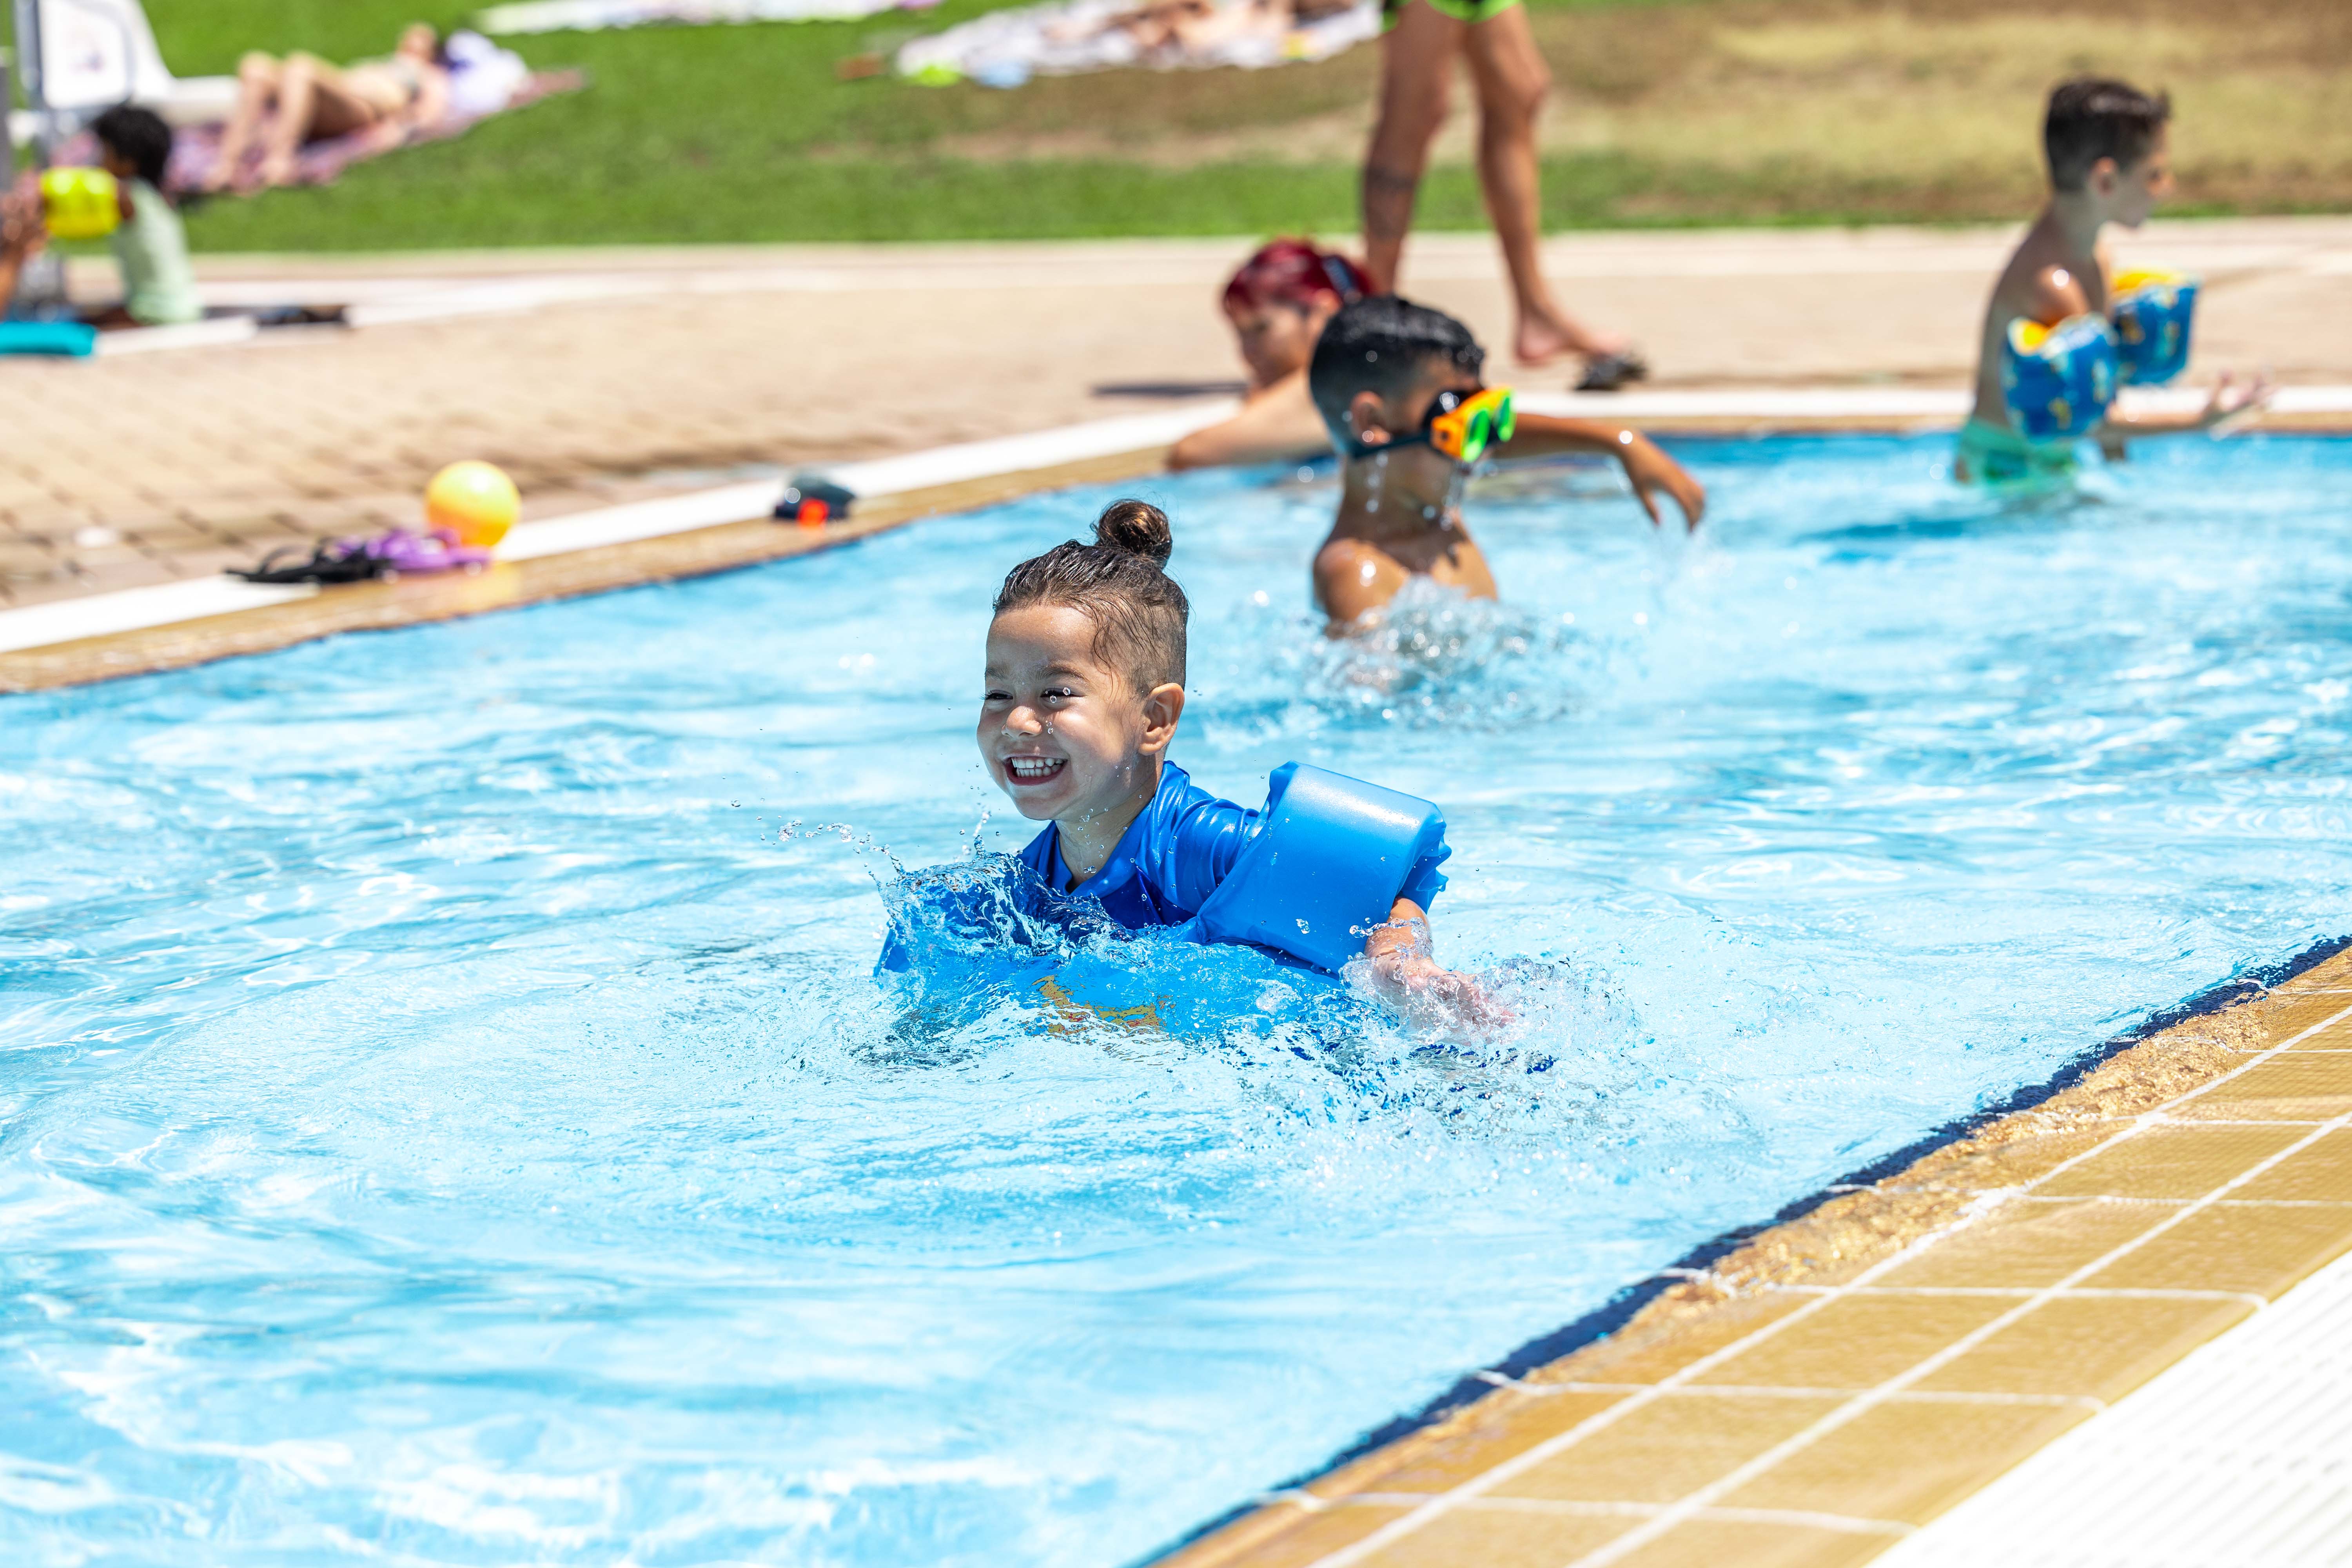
(595,16)
(195,151)
(1006,48)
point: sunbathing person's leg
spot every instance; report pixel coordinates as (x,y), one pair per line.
(313,101)
(257,91)
(1512,79)
(1416,82)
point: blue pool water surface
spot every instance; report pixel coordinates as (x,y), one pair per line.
(446,1115)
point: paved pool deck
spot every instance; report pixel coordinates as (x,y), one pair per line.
(601,377)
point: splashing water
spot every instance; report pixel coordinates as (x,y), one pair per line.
(452,1119)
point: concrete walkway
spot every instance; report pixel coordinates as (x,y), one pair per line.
(613,375)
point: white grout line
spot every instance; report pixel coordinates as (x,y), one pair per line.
(1476,1486)
(1779,1391)
(2014,1291)
(1585,1508)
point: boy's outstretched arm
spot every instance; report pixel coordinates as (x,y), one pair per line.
(1650,469)
(2228,402)
(1281,423)
(1405,967)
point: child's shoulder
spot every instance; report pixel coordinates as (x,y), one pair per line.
(2043,287)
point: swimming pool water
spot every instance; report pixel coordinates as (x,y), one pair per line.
(445,1118)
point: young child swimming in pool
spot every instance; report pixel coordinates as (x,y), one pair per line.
(1085,692)
(2110,160)
(1399,389)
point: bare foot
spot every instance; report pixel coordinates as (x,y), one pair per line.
(1544,336)
(277,170)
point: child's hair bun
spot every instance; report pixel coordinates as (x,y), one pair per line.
(1137,527)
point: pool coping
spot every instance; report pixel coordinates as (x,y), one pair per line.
(1807,1392)
(142,631)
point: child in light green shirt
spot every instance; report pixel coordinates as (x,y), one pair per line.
(158,287)
(151,247)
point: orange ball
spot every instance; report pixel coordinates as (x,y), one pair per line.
(475,501)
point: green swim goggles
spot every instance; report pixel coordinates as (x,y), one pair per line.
(1462,424)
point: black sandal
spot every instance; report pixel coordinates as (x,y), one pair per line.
(1608,372)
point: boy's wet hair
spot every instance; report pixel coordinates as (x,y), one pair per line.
(2091,118)
(1116,582)
(140,138)
(1383,345)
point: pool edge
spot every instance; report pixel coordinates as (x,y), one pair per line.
(178,643)
(1631,1448)
(512,585)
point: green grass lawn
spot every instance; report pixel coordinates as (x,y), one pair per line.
(738,135)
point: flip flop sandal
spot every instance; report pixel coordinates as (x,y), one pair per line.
(1606,372)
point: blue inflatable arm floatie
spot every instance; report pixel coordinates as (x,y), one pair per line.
(2058,380)
(2153,312)
(1330,855)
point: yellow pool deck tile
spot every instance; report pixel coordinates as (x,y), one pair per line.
(2099,1347)
(1300,1538)
(1494,1431)
(2287,1017)
(2319,1171)
(1499,1538)
(2171,1161)
(1668,1448)
(2028,1244)
(2265,1250)
(1755,1543)
(2293,1086)
(1906,1460)
(1857,1342)
(1633,1356)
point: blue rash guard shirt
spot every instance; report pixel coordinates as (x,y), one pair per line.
(1166,864)
(1171,858)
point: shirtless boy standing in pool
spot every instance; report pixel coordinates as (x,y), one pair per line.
(2110,161)
(1398,387)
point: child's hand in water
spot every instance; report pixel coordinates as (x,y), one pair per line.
(1406,971)
(1652,470)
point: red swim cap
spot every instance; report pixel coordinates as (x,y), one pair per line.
(1298,273)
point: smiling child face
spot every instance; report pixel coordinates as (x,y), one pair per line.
(1064,734)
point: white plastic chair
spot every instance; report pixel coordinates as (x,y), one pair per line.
(92,55)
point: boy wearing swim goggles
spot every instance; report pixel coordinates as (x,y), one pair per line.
(1398,386)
